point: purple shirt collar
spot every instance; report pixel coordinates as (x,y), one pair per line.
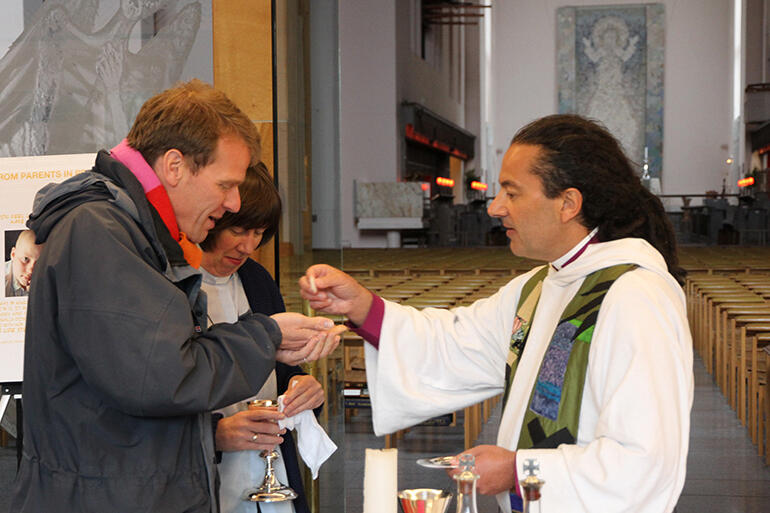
(573,254)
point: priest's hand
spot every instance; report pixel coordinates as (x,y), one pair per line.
(495,466)
(304,393)
(255,429)
(331,291)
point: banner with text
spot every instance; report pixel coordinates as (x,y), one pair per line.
(20,179)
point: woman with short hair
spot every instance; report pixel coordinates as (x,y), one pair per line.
(235,284)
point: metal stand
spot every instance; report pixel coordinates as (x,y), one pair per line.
(10,391)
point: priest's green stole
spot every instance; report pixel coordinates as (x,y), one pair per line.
(554,406)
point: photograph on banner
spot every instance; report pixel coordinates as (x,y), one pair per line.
(20,179)
(21,254)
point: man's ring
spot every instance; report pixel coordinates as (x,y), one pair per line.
(304,360)
(255,437)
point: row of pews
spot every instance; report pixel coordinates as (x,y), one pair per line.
(727,289)
(729,312)
(442,289)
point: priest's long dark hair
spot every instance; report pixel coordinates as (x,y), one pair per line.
(580,153)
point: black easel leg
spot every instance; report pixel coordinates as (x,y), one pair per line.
(19,432)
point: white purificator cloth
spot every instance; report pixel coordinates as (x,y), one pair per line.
(313,443)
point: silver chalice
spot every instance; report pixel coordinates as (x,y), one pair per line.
(271,489)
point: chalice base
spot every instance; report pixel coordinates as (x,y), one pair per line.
(270,494)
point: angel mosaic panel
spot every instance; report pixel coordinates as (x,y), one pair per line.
(610,68)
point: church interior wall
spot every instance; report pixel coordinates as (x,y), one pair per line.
(324,123)
(697,82)
(368,125)
(374,40)
(378,68)
(435,82)
(756,19)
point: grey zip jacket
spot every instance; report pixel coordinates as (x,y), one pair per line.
(118,376)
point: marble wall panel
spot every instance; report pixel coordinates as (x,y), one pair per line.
(388,199)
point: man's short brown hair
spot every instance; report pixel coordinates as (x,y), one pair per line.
(190,117)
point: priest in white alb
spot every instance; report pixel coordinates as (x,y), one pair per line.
(591,350)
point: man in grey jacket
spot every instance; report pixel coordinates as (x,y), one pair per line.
(119,376)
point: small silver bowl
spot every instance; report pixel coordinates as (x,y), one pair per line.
(425,500)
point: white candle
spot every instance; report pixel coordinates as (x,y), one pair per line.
(645,153)
(381,481)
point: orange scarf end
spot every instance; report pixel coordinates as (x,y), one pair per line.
(192,253)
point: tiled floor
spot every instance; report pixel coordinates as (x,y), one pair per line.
(724,472)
